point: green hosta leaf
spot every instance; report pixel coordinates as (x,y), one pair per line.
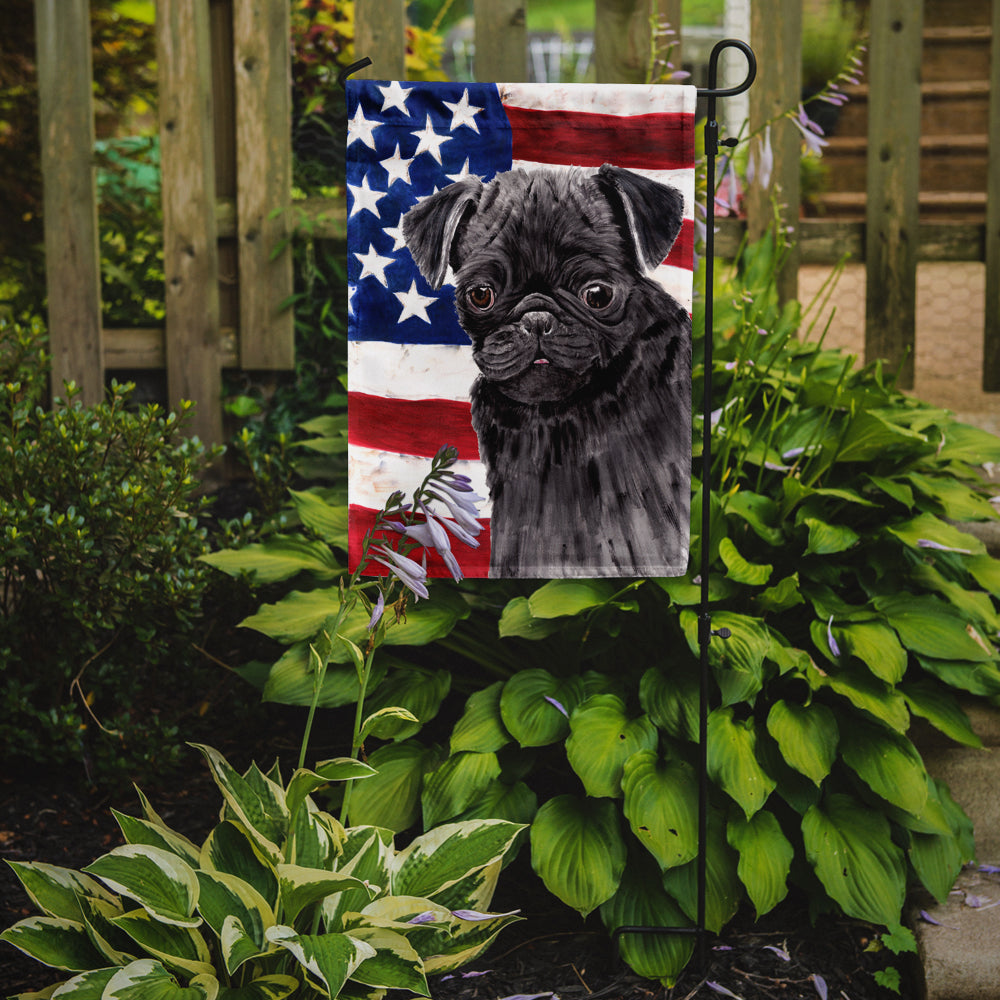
(456,784)
(876,646)
(602,738)
(758,511)
(528,710)
(465,941)
(941,709)
(391,798)
(180,948)
(301,887)
(141,831)
(957,501)
(931,628)
(684,592)
(279,558)
(732,760)
(807,736)
(517,620)
(147,979)
(783,595)
(723,889)
(415,689)
(888,763)
(641,901)
(937,859)
(671,699)
(395,964)
(986,572)
(661,799)
(516,803)
(752,574)
(304,782)
(850,847)
(976,605)
(965,443)
(869,436)
(159,881)
(325,519)
(976,678)
(292,680)
(578,851)
(765,858)
(263,812)
(330,959)
(558,598)
(865,692)
(225,897)
(386,723)
(827,539)
(438,859)
(928,528)
(893,488)
(54,941)
(230,849)
(481,728)
(275,987)
(56,891)
(738,661)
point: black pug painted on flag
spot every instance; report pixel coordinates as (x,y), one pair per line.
(520,281)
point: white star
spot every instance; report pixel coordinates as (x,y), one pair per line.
(360,128)
(430,141)
(463,113)
(351,289)
(396,232)
(462,174)
(414,304)
(373,265)
(395,97)
(364,197)
(397,168)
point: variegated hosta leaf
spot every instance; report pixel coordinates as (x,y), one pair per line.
(147,979)
(315,838)
(274,987)
(141,831)
(116,946)
(578,851)
(395,964)
(328,959)
(300,887)
(256,801)
(642,902)
(602,737)
(86,986)
(56,891)
(765,858)
(535,706)
(225,897)
(466,941)
(476,890)
(850,847)
(158,880)
(888,763)
(177,947)
(54,941)
(230,849)
(732,760)
(304,782)
(367,853)
(661,799)
(456,784)
(481,727)
(441,857)
(807,736)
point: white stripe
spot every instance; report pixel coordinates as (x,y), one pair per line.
(609,99)
(373,476)
(411,371)
(675,281)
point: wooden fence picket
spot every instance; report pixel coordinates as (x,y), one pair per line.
(991,332)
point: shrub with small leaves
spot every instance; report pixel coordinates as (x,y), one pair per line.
(99,573)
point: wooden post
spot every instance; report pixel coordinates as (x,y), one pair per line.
(776,34)
(501,41)
(190,254)
(262,60)
(72,256)
(380,34)
(622,40)
(991,333)
(668,13)
(893,183)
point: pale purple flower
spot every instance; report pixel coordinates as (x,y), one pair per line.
(411,574)
(719,988)
(927,543)
(761,163)
(475,915)
(834,648)
(811,132)
(427,917)
(780,952)
(990,869)
(464,513)
(727,198)
(558,705)
(820,983)
(377,611)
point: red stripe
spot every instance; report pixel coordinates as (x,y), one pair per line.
(474,562)
(682,252)
(411,426)
(585,139)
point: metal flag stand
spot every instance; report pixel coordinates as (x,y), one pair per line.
(705,630)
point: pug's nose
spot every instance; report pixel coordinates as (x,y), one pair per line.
(537,324)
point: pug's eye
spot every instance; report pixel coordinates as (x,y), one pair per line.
(597,295)
(481,297)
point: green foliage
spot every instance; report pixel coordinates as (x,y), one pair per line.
(280,899)
(99,539)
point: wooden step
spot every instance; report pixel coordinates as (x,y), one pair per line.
(940,13)
(945,103)
(956,53)
(958,206)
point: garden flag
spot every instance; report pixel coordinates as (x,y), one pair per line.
(520,279)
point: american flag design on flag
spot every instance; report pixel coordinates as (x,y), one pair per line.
(411,365)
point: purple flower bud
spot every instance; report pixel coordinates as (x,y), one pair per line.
(820,983)
(377,612)
(427,917)
(558,705)
(410,573)
(475,915)
(834,648)
(927,543)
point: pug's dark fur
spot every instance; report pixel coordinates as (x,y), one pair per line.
(583,406)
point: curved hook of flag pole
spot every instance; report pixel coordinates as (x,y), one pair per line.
(352,68)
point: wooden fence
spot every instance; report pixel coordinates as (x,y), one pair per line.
(226,160)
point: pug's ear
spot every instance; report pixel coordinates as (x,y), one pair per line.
(430,228)
(648,213)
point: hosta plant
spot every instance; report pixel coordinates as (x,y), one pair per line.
(279,900)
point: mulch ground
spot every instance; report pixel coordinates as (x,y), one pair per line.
(550,953)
